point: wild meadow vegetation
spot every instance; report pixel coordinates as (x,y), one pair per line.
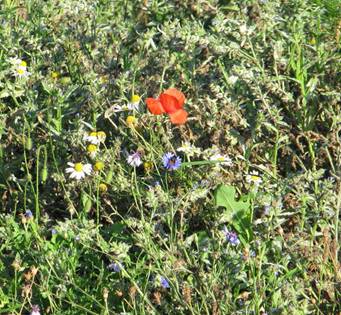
(170,157)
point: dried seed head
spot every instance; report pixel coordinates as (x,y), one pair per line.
(187,294)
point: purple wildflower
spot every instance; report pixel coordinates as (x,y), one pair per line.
(28,214)
(53,231)
(134,159)
(164,283)
(170,161)
(35,310)
(231,237)
(267,209)
(115,267)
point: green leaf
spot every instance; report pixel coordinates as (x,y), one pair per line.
(225,196)
(237,211)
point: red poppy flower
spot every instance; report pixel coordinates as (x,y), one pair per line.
(154,106)
(179,117)
(177,94)
(171,102)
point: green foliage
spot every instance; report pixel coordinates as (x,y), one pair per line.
(238,213)
(260,153)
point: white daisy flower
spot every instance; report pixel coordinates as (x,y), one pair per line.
(134,159)
(224,159)
(19,68)
(91,137)
(189,149)
(95,137)
(134,102)
(254,178)
(78,170)
(21,72)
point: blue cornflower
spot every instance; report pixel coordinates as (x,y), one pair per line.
(164,283)
(115,267)
(28,214)
(170,161)
(231,237)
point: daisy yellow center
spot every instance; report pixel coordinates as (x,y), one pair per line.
(23,64)
(130,120)
(91,148)
(104,79)
(20,71)
(101,134)
(254,177)
(103,187)
(54,75)
(135,98)
(221,159)
(78,167)
(99,166)
(93,134)
(148,166)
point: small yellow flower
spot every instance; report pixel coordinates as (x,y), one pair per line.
(98,166)
(91,148)
(312,41)
(148,166)
(104,79)
(101,135)
(102,187)
(54,75)
(135,98)
(131,121)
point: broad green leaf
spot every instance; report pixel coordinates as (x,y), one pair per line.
(225,196)
(237,211)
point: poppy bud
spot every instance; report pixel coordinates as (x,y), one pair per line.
(43,174)
(28,143)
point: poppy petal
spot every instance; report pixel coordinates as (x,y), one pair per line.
(177,94)
(154,106)
(169,103)
(179,117)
